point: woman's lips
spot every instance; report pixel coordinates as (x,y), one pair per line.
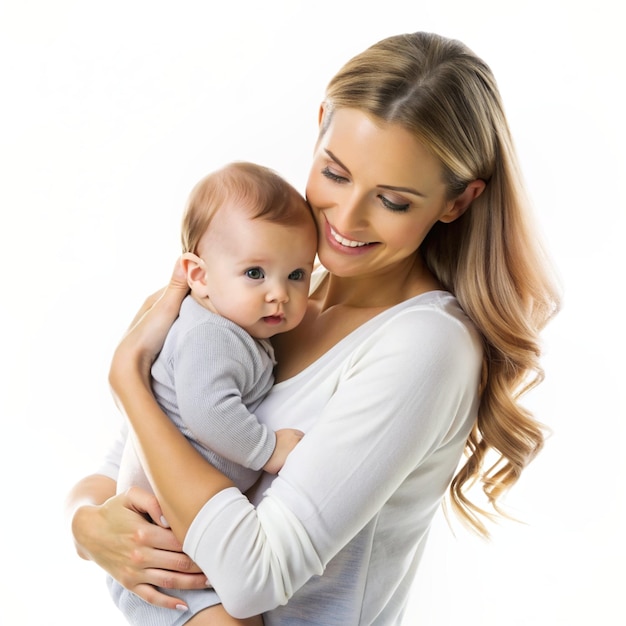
(350,246)
(348,243)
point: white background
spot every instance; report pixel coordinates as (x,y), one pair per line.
(111,111)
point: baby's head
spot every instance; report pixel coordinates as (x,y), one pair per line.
(249,242)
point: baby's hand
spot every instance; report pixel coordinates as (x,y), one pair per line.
(286,440)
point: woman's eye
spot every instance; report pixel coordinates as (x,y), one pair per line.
(255,273)
(328,173)
(297,275)
(392,206)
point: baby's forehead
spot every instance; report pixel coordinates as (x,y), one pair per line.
(238,232)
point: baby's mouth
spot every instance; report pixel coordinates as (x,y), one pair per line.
(274,319)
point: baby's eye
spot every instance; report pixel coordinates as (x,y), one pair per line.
(393,206)
(256,273)
(328,173)
(297,275)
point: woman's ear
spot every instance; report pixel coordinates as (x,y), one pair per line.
(195,270)
(462,202)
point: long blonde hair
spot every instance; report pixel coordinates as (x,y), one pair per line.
(490,257)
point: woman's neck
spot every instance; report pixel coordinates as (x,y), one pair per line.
(339,306)
(376,291)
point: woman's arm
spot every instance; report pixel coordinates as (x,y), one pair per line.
(113,530)
(425,370)
(392,449)
(130,381)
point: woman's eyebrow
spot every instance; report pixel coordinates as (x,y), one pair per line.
(389,187)
(336,160)
(405,189)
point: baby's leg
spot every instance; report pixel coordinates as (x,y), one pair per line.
(217,616)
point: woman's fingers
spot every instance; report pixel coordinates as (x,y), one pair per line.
(178,279)
(157,547)
(177,284)
(143,502)
(139,554)
(171,579)
(154,596)
(144,339)
(156,561)
(151,594)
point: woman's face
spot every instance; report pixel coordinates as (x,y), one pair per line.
(375,192)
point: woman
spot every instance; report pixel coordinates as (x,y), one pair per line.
(420,335)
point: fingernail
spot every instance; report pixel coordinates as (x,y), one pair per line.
(182,608)
(164,522)
(207,582)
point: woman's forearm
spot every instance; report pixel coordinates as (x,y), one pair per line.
(181,478)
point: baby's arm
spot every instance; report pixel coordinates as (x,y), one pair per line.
(219,371)
(286,440)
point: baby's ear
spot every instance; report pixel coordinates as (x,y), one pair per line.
(195,270)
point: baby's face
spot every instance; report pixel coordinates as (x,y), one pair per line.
(258,272)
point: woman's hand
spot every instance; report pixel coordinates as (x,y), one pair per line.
(139,554)
(146,334)
(156,436)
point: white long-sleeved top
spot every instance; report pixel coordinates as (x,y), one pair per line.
(336,537)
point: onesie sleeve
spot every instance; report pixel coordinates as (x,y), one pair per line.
(217,371)
(408,388)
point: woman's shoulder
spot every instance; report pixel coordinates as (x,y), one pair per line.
(432,322)
(432,309)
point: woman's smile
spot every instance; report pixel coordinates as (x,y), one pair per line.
(346,242)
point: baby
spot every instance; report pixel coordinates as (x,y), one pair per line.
(249,243)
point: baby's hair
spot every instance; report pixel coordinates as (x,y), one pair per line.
(251,187)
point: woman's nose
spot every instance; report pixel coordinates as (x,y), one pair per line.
(351,214)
